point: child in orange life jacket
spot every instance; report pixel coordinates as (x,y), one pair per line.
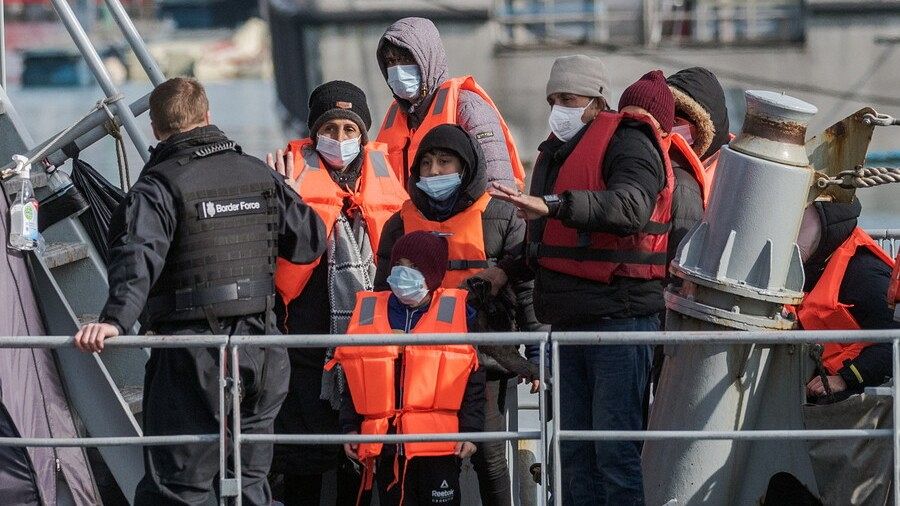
(420,389)
(485,237)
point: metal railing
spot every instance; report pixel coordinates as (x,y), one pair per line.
(648,23)
(203,341)
(887,238)
(550,438)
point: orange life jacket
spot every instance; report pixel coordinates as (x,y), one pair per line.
(465,238)
(378,196)
(434,377)
(893,295)
(703,171)
(697,168)
(821,309)
(709,168)
(597,255)
(403,142)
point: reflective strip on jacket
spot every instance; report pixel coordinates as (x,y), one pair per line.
(434,377)
(821,309)
(601,256)
(465,238)
(403,142)
(378,196)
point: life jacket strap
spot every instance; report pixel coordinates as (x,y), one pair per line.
(598,255)
(464,265)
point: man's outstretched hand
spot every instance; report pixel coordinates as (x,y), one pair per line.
(90,338)
(530,207)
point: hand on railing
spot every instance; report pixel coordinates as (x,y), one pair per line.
(535,384)
(91,336)
(816,388)
(465,449)
(351,448)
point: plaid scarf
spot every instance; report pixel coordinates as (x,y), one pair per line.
(351,268)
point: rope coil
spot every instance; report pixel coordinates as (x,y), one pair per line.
(862,177)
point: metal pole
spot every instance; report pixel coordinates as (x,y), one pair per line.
(727,337)
(67,442)
(89,53)
(896,400)
(180,341)
(236,422)
(92,131)
(2,45)
(223,423)
(326,340)
(557,426)
(724,435)
(135,41)
(314,439)
(542,421)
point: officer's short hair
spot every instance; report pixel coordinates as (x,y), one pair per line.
(178,103)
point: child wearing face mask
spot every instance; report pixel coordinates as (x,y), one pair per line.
(484,236)
(412,389)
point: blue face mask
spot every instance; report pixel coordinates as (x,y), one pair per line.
(440,188)
(405,81)
(408,285)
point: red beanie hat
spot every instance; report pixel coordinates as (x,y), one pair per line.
(652,94)
(427,251)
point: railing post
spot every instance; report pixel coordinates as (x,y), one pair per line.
(236,421)
(2,46)
(557,426)
(224,484)
(136,42)
(542,419)
(896,401)
(89,53)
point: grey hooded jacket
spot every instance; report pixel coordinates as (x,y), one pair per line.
(421,38)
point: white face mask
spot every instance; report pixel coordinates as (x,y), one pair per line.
(405,81)
(338,154)
(565,122)
(684,131)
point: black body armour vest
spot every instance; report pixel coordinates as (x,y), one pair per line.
(222,259)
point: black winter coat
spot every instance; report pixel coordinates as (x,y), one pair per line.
(687,206)
(143,226)
(504,240)
(634,174)
(864,288)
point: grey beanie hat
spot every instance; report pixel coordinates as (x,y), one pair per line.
(580,75)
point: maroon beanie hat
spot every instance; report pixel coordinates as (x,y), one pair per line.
(427,251)
(652,94)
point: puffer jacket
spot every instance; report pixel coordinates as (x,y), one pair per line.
(863,289)
(475,116)
(634,173)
